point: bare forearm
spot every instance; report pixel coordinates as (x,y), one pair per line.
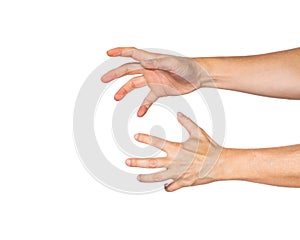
(275,166)
(274,74)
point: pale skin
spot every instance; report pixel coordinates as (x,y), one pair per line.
(274,75)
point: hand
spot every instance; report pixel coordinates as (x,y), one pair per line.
(184,161)
(165,75)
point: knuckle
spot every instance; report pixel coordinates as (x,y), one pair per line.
(132,84)
(147,139)
(133,162)
(155,62)
(152,163)
(134,53)
(124,90)
(187,179)
(187,183)
(125,68)
(157,178)
(152,140)
(168,162)
(197,132)
(115,73)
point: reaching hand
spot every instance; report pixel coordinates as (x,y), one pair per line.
(184,161)
(165,75)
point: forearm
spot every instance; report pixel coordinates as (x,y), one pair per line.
(275,166)
(274,74)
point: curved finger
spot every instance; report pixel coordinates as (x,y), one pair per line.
(133,83)
(155,177)
(188,124)
(146,104)
(152,141)
(123,70)
(132,52)
(174,186)
(148,162)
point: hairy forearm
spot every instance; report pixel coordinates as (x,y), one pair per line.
(275,166)
(273,74)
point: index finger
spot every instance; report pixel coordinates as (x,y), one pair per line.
(132,52)
(153,141)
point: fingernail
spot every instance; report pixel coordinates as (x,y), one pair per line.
(136,136)
(128,162)
(138,177)
(140,113)
(179,114)
(143,110)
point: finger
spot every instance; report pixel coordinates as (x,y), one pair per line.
(174,186)
(125,69)
(164,63)
(133,83)
(152,141)
(148,162)
(132,52)
(188,124)
(146,104)
(155,177)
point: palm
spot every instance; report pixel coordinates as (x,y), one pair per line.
(163,83)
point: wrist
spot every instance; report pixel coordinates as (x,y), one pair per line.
(233,164)
(220,170)
(217,70)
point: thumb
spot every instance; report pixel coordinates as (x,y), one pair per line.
(165,63)
(188,124)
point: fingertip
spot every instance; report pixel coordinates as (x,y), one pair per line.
(103,78)
(136,136)
(113,52)
(142,137)
(139,113)
(107,77)
(109,52)
(173,186)
(181,118)
(179,115)
(139,178)
(128,162)
(118,96)
(168,189)
(142,111)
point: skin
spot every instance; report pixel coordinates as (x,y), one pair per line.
(273,75)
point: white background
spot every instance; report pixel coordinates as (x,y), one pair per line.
(47,50)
